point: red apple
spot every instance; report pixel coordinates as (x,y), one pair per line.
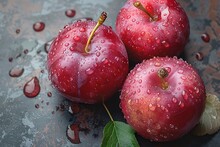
(163,98)
(87,61)
(151,28)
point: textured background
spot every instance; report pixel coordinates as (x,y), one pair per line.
(43,120)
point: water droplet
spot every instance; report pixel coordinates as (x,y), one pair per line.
(97,54)
(158,127)
(140,81)
(165,14)
(37,106)
(157,64)
(89,71)
(142,33)
(70,13)
(183,77)
(71,48)
(166,44)
(69,30)
(49,94)
(104,61)
(158,105)
(155,28)
(72,133)
(158,98)
(26,51)
(129,16)
(39,26)
(148,91)
(81,19)
(174,100)
(32,88)
(171,126)
(17,31)
(196,89)
(66,26)
(98,47)
(205,37)
(102,41)
(82,29)
(128,28)
(66,44)
(76,38)
(152,107)
(117,58)
(16,71)
(168,69)
(185,95)
(10,59)
(162,108)
(162,1)
(181,104)
(180,71)
(199,56)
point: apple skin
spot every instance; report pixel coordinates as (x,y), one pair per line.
(145,38)
(161,114)
(87,77)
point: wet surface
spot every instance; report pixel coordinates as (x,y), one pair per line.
(48,119)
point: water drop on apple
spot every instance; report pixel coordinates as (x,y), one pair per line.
(89,71)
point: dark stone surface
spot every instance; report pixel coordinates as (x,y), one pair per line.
(43,120)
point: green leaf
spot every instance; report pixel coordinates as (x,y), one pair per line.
(210,120)
(119,134)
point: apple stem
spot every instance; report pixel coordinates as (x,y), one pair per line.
(101,20)
(138,5)
(163,73)
(109,114)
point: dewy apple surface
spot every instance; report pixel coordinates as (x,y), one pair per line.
(44,120)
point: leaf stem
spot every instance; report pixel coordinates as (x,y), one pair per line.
(101,20)
(109,114)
